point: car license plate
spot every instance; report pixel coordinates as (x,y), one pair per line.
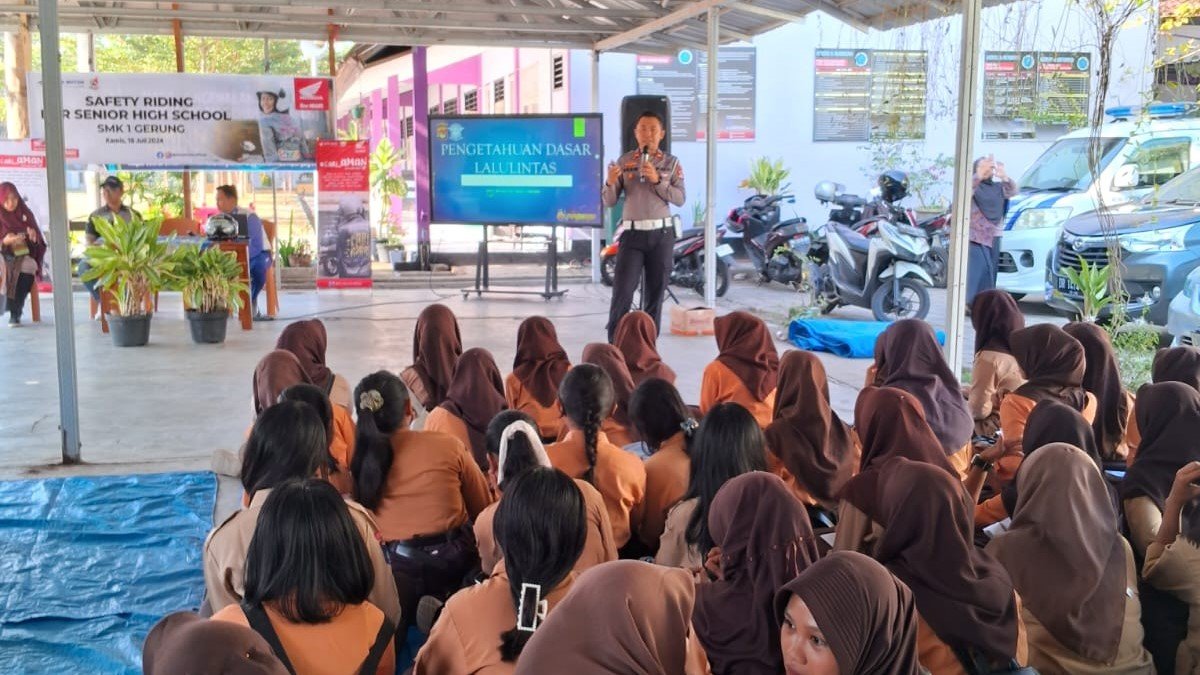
(724,251)
(1065,285)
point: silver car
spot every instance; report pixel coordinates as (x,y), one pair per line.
(1183,314)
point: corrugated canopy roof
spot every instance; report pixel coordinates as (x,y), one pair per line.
(607,25)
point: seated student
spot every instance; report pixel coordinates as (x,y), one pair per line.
(995,373)
(475,396)
(185,643)
(745,371)
(308,577)
(964,597)
(1102,379)
(437,344)
(1173,558)
(637,339)
(538,370)
(1073,568)
(308,341)
(260,258)
(1173,364)
(618,427)
(847,614)
(764,540)
(337,459)
(514,448)
(810,447)
(586,397)
(286,443)
(666,426)
(423,488)
(908,358)
(1053,363)
(541,527)
(621,617)
(890,423)
(728,444)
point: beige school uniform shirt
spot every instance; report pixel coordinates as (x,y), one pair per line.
(994,376)
(1174,569)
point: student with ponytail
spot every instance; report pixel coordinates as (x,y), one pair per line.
(423,488)
(667,428)
(586,395)
(541,526)
(513,447)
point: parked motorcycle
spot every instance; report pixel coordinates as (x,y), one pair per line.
(778,250)
(688,268)
(937,228)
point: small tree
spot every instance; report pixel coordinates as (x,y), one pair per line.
(385,184)
(767,177)
(926,175)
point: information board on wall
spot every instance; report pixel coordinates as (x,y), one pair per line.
(1032,94)
(683,79)
(861,94)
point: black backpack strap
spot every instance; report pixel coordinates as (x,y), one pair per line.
(386,633)
(261,623)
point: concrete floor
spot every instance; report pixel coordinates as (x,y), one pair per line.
(170,405)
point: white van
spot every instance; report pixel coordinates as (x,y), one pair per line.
(1140,148)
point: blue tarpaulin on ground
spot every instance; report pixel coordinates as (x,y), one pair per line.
(89,565)
(849,339)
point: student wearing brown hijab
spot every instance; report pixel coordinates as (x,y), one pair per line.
(621,617)
(437,344)
(1173,364)
(475,396)
(541,528)
(618,427)
(309,341)
(764,540)
(907,357)
(637,339)
(185,643)
(746,369)
(1173,558)
(514,448)
(995,316)
(890,423)
(1053,363)
(667,428)
(539,367)
(811,448)
(1073,569)
(965,598)
(847,614)
(1102,379)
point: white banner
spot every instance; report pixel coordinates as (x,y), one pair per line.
(188,120)
(23,163)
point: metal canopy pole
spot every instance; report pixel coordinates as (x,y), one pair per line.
(968,87)
(60,246)
(596,108)
(710,176)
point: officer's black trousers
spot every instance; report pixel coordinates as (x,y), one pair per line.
(642,252)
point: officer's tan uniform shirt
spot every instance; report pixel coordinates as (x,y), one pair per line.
(647,201)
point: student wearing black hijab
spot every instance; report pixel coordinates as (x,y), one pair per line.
(989,202)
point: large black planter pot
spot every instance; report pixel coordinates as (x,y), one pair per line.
(207,327)
(129,331)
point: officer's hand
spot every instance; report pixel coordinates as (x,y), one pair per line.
(614,172)
(649,172)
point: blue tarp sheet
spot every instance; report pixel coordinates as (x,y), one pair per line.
(849,339)
(89,565)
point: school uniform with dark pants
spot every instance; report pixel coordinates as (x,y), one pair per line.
(648,243)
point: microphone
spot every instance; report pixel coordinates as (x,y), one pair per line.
(645,158)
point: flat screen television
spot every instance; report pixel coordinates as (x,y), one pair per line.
(516,169)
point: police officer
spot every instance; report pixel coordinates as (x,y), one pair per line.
(651,180)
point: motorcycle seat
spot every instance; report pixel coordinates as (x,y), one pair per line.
(853,239)
(850,201)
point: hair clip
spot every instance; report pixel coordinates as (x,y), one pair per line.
(689,426)
(538,616)
(370,400)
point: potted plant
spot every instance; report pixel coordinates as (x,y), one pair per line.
(131,263)
(767,177)
(210,280)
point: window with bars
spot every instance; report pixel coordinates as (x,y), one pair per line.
(450,107)
(498,90)
(559,72)
(408,126)
(471,101)
(434,110)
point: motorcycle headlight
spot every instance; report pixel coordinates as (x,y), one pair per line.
(1156,241)
(1037,219)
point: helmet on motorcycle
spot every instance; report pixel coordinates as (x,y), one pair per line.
(893,185)
(220,226)
(827,190)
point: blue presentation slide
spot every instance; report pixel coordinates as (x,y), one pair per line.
(523,169)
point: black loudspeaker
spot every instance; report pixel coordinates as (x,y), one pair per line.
(632,108)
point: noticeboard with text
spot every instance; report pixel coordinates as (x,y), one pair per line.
(864,94)
(1027,95)
(683,79)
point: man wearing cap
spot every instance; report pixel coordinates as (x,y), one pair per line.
(259,256)
(112,190)
(652,180)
